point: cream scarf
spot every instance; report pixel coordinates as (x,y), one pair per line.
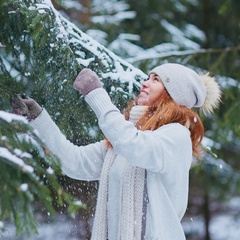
(132,196)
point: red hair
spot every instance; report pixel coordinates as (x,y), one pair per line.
(165,111)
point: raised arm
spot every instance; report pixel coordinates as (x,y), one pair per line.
(151,150)
(84,162)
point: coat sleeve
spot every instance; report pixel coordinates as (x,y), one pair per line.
(78,162)
(152,150)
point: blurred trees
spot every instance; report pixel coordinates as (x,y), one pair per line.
(42,54)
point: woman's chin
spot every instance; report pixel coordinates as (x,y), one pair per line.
(142,102)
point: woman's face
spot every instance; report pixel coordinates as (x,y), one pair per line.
(151,90)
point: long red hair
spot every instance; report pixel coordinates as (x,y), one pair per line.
(165,111)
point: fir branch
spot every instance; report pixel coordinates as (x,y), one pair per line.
(182,53)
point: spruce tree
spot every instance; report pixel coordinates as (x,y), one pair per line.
(41,54)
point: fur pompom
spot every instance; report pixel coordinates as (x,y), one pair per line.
(213,94)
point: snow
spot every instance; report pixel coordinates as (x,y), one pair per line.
(98,35)
(164,47)
(128,36)
(4,138)
(72,4)
(93,131)
(180,6)
(42,6)
(21,154)
(78,203)
(9,117)
(227,82)
(223,226)
(32,8)
(123,71)
(117,74)
(115,19)
(124,47)
(1,225)
(50,170)
(207,142)
(193,31)
(178,36)
(109,7)
(6,154)
(24,187)
(41,11)
(85,62)
(155,55)
(61,228)
(48,5)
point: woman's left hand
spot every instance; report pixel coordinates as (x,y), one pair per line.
(87,81)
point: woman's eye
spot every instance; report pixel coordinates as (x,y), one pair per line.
(156,79)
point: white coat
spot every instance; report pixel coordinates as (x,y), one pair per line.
(165,153)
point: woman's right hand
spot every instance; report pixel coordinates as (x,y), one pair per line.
(86,81)
(27,107)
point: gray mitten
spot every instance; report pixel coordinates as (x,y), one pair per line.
(86,81)
(25,107)
(18,106)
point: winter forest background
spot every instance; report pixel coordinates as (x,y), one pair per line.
(44,44)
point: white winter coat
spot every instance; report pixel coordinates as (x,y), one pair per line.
(165,153)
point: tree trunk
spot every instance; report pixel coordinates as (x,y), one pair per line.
(206,212)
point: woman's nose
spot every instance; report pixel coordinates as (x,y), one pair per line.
(145,83)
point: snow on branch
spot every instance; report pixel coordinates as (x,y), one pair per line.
(6,154)
(147,56)
(103,61)
(9,117)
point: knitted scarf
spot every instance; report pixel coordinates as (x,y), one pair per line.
(132,196)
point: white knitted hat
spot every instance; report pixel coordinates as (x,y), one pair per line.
(187,88)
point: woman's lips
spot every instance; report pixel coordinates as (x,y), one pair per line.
(144,92)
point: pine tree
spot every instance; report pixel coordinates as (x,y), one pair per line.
(41,57)
(28,173)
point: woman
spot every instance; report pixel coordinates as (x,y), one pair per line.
(143,165)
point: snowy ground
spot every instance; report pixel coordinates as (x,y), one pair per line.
(59,229)
(223,227)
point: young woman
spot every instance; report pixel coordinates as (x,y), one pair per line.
(143,164)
